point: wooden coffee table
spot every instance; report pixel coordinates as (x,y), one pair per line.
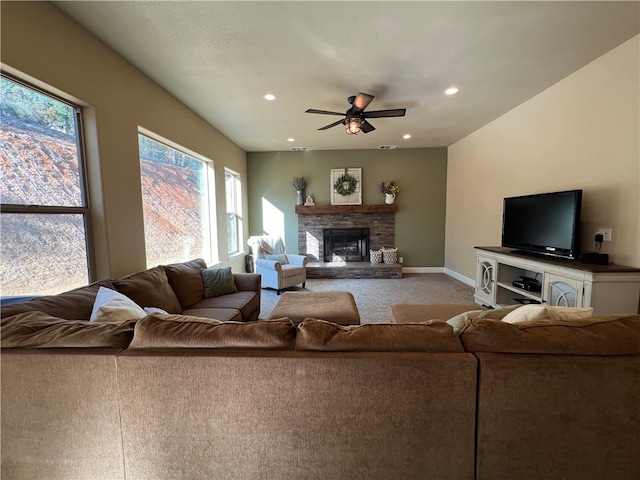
(336,307)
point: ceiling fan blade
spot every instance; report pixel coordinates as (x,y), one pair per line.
(333,124)
(396,112)
(361,102)
(367,127)
(324,112)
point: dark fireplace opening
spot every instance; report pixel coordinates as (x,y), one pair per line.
(346,244)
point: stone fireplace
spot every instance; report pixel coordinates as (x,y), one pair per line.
(377,220)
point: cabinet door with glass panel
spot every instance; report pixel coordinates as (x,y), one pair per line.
(561,291)
(486,280)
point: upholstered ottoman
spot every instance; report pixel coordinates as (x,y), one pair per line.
(336,307)
(417,312)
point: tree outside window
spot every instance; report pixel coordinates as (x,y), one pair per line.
(44,218)
(178,205)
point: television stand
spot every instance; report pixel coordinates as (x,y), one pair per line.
(565,282)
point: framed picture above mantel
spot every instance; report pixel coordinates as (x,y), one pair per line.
(346,186)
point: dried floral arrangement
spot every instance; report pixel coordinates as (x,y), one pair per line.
(299,183)
(390,187)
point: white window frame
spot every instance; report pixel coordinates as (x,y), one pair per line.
(233,195)
(84,209)
(210,237)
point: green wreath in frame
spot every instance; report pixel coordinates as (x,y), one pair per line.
(345,185)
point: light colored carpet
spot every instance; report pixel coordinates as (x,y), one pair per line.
(375,296)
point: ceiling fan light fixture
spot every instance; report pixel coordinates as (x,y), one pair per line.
(353,125)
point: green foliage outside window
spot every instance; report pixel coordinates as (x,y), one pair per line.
(28,105)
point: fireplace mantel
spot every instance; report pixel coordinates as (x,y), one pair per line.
(322,209)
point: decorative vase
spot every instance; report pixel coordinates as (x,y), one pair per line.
(299,197)
(389,198)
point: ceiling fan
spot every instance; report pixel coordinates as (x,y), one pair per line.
(356,118)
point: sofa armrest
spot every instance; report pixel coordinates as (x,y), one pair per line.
(299,260)
(268,264)
(247,282)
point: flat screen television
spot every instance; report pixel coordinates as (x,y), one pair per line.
(545,223)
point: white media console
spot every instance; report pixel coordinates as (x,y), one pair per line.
(560,282)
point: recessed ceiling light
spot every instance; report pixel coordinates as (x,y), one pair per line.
(291,139)
(451,91)
(406,136)
(269,96)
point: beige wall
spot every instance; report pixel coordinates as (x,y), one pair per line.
(421,174)
(39,41)
(581,133)
(584,132)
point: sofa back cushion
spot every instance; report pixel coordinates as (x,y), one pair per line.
(186,281)
(181,331)
(73,305)
(149,288)
(433,336)
(40,330)
(616,334)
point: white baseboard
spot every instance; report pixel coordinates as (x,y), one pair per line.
(461,278)
(423,270)
(446,271)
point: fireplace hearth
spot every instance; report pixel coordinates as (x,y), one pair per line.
(346,244)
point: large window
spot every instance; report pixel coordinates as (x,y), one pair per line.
(44,212)
(233,190)
(177,198)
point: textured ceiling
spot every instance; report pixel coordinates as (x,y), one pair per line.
(219,58)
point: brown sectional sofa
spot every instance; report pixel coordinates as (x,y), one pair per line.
(197,398)
(176,288)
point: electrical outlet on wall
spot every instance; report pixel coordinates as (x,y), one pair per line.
(606,234)
(401,260)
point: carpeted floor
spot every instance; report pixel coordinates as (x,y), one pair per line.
(375,296)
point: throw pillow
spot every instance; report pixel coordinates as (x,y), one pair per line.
(527,313)
(282,258)
(459,322)
(111,306)
(218,281)
(152,310)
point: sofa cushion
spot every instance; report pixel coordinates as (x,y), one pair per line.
(433,336)
(186,281)
(247,303)
(615,334)
(181,331)
(218,281)
(527,313)
(74,305)
(149,288)
(221,314)
(40,330)
(112,306)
